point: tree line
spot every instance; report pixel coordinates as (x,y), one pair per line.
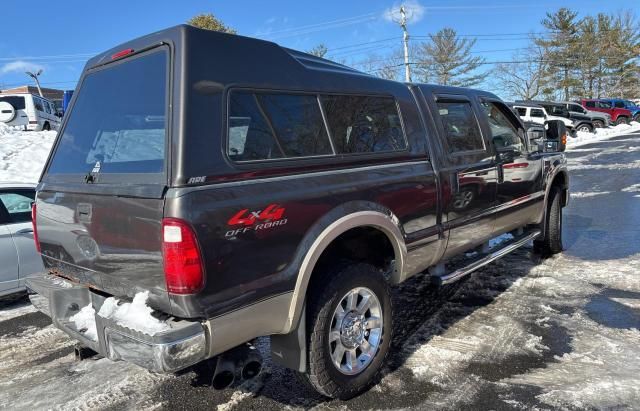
(571,57)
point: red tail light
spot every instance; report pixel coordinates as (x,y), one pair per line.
(35,227)
(183,268)
(516,165)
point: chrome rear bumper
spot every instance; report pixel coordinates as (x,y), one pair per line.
(184,344)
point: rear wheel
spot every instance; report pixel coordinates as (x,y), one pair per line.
(598,123)
(637,118)
(46,127)
(349,318)
(622,120)
(551,243)
(585,128)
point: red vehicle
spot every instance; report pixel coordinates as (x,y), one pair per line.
(618,115)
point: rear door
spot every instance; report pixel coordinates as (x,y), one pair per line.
(469,176)
(100,208)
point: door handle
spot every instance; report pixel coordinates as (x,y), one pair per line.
(25,231)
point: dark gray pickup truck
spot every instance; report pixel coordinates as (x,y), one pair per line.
(206,189)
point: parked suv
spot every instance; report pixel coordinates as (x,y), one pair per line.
(618,115)
(579,122)
(284,200)
(598,119)
(29,112)
(629,105)
(535,113)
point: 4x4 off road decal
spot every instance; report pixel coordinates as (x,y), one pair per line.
(271,216)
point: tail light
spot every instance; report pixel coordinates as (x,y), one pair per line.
(564,139)
(35,226)
(516,165)
(183,268)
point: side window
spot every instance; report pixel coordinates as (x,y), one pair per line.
(590,103)
(619,104)
(536,112)
(577,108)
(460,126)
(271,126)
(521,111)
(47,108)
(504,132)
(38,104)
(361,124)
(18,205)
(603,104)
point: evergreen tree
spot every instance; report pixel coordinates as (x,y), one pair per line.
(446,59)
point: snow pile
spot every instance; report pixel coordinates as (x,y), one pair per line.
(23,153)
(85,320)
(602,134)
(135,315)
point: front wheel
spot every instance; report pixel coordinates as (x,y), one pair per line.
(551,243)
(585,128)
(637,118)
(598,123)
(349,317)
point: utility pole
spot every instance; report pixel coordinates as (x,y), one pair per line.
(35,77)
(405,39)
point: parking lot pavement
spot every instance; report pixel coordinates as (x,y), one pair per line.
(519,334)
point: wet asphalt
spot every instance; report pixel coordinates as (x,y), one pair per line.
(476,328)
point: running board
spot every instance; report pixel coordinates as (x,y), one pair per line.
(494,255)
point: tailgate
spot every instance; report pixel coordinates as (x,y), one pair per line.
(100,202)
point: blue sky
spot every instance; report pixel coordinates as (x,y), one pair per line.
(72,30)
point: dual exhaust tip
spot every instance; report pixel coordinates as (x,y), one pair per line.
(243,362)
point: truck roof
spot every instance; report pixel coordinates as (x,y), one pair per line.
(230,60)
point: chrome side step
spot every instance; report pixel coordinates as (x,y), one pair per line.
(494,255)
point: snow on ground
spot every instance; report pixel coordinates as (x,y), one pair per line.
(23,153)
(602,134)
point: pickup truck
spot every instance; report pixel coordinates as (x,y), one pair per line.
(207,189)
(618,115)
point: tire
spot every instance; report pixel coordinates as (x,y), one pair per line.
(598,123)
(46,126)
(324,315)
(585,128)
(637,118)
(463,199)
(551,243)
(622,120)
(7,112)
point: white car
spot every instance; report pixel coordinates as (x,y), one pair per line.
(537,114)
(18,255)
(29,112)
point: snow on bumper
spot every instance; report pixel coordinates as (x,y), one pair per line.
(182,345)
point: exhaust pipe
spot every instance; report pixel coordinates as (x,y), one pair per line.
(252,363)
(243,361)
(224,375)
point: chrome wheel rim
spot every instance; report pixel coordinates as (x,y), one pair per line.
(463,199)
(356,331)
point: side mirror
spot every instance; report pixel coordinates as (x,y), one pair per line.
(507,155)
(556,136)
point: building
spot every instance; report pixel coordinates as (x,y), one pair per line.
(48,93)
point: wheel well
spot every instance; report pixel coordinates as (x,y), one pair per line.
(360,244)
(561,182)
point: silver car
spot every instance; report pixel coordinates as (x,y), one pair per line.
(18,255)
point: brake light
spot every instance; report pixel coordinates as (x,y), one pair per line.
(516,165)
(121,54)
(35,227)
(183,269)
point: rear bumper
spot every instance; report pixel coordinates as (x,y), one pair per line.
(183,345)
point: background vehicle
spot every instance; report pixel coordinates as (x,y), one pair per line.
(598,119)
(324,187)
(580,122)
(28,111)
(535,113)
(629,105)
(17,249)
(618,115)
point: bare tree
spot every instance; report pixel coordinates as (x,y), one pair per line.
(319,51)
(523,78)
